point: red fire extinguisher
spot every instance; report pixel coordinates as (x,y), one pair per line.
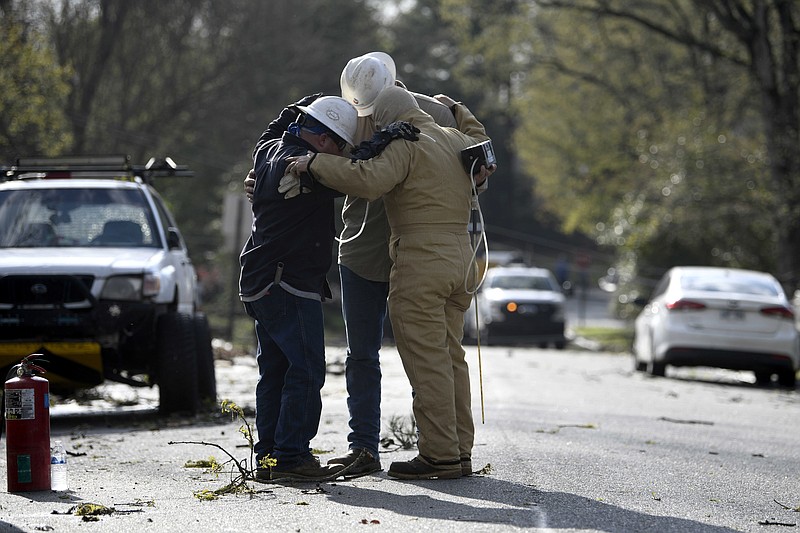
(27,411)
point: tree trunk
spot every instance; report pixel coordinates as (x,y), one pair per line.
(774,63)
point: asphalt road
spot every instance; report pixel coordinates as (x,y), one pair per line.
(570,441)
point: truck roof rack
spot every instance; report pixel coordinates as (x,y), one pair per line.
(102,166)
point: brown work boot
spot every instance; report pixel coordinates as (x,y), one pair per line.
(418,468)
(360,461)
(308,470)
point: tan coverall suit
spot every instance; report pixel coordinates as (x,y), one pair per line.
(427,197)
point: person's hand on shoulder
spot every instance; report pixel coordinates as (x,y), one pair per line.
(250,184)
(446,100)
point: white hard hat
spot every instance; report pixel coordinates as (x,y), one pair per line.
(336,114)
(364,77)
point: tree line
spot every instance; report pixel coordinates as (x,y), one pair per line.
(656,132)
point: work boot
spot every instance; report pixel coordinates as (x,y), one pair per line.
(307,470)
(360,461)
(418,468)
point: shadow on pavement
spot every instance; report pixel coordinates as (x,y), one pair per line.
(514,504)
(719,377)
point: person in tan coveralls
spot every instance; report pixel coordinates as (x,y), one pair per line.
(427,196)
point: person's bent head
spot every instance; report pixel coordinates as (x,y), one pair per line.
(364,77)
(391,104)
(329,124)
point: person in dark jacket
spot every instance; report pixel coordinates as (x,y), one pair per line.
(282,285)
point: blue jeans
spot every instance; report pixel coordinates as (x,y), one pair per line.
(291,366)
(364,310)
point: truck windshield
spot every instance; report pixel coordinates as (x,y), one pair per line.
(39,218)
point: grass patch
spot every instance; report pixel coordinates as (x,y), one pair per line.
(608,339)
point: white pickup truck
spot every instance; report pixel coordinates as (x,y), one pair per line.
(95,275)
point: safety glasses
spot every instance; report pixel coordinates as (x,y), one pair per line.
(311,124)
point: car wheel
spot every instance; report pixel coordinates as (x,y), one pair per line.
(560,345)
(787,378)
(639,366)
(657,369)
(763,378)
(206,379)
(653,367)
(176,369)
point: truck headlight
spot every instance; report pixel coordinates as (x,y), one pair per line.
(152,285)
(126,288)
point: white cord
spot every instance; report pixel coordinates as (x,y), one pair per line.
(473,260)
(360,230)
(476,206)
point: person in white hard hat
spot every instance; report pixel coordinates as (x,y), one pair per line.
(364,266)
(427,196)
(282,285)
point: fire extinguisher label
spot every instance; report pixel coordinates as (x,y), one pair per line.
(20,404)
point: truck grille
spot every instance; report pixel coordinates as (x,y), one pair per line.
(45,292)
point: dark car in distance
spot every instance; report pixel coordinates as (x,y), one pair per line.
(517,305)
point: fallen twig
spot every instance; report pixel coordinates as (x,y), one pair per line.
(795,509)
(679,421)
(771,523)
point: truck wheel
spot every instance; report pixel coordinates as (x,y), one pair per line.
(176,370)
(206,379)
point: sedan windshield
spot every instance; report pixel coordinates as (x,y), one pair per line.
(531,283)
(730,284)
(38,218)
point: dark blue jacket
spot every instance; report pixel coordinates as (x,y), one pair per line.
(297,233)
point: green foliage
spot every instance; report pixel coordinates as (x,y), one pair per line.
(34,91)
(492,53)
(424,49)
(644,141)
(90,511)
(209,464)
(243,471)
(617,340)
(197,80)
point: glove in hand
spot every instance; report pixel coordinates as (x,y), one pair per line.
(402,130)
(381,139)
(306,100)
(291,186)
(290,114)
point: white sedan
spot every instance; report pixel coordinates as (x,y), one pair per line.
(718,317)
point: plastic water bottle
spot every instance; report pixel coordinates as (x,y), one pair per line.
(58,467)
